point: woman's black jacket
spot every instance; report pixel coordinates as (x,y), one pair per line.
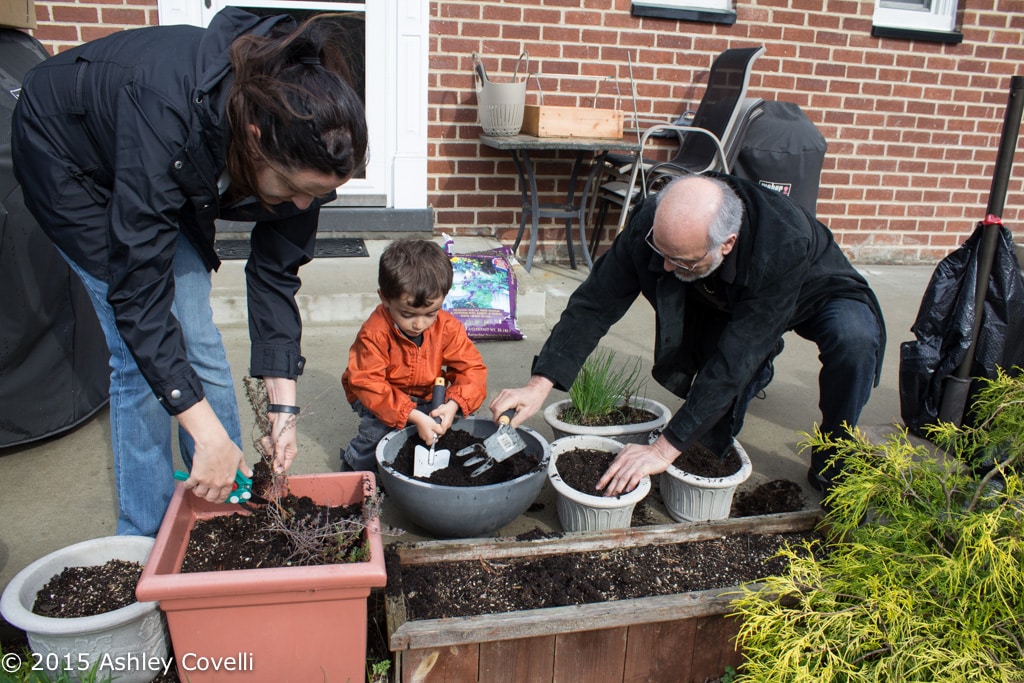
(119,145)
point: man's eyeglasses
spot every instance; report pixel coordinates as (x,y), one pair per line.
(688,266)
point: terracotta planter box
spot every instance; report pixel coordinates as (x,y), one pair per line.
(673,638)
(274,624)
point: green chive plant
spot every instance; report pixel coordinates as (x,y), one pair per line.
(922,579)
(602,389)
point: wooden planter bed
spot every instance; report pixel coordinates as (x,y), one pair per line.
(678,638)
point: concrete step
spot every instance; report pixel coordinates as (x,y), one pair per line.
(344,290)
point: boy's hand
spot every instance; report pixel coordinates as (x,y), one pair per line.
(426,428)
(446,413)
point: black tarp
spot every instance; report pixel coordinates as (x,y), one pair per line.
(943,328)
(784,151)
(53,360)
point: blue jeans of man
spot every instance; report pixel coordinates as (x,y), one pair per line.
(140,428)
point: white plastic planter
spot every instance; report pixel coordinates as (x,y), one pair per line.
(130,644)
(633,433)
(691,498)
(578,511)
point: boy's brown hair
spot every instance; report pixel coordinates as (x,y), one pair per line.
(417,269)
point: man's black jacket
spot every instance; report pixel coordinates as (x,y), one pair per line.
(119,145)
(784,267)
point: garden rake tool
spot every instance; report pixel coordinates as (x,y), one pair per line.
(428,461)
(498,447)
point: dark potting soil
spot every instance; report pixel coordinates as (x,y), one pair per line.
(251,541)
(582,468)
(87,591)
(623,415)
(473,587)
(769,498)
(703,462)
(457,474)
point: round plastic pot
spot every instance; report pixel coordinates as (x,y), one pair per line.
(461,511)
(578,511)
(129,644)
(631,433)
(691,498)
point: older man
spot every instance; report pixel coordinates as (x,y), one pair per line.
(729,267)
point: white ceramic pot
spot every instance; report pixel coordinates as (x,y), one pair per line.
(691,498)
(634,433)
(578,511)
(129,644)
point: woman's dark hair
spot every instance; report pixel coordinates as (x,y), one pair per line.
(294,87)
(417,269)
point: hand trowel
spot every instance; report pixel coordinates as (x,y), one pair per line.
(428,460)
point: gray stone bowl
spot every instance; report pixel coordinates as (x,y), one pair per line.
(462,511)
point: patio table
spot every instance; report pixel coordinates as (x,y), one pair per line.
(521,146)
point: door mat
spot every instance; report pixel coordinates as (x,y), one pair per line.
(330,247)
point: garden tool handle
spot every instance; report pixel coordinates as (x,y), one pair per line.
(505,418)
(241,491)
(437,396)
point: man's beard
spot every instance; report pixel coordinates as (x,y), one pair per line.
(693,276)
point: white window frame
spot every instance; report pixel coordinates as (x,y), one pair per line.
(693,5)
(936,15)
(397,34)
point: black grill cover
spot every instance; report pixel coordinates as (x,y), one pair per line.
(784,151)
(53,359)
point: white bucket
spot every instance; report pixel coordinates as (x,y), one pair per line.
(500,105)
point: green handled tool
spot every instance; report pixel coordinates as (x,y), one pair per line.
(241,492)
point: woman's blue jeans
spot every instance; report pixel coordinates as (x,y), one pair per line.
(140,429)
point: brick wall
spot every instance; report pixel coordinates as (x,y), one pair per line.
(912,127)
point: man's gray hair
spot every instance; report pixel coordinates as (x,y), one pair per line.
(729,217)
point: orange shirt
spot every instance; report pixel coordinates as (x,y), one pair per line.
(385,367)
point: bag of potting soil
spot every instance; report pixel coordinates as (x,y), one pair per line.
(483,293)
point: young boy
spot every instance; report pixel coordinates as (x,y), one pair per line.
(405,344)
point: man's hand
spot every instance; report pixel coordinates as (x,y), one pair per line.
(525,400)
(633,463)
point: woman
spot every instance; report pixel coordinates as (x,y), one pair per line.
(127,149)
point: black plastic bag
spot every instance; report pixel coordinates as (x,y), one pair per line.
(943,327)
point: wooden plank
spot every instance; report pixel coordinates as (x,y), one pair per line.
(554,620)
(714,647)
(659,652)
(592,656)
(429,552)
(524,660)
(439,665)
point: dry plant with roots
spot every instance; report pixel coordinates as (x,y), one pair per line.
(331,535)
(256,393)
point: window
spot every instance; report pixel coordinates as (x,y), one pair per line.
(709,11)
(916,19)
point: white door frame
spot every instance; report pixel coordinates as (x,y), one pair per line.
(397,55)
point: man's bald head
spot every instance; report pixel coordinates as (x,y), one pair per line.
(696,223)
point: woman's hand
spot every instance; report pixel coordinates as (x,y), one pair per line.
(283,441)
(216,458)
